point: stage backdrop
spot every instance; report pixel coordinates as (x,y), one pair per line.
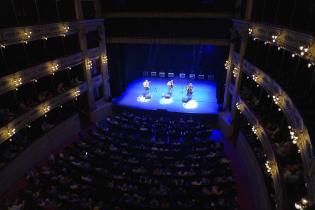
(127,62)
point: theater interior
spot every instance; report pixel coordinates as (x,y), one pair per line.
(137,104)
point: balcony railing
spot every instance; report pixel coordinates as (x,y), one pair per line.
(299,44)
(260,133)
(7,131)
(13,81)
(9,36)
(298,130)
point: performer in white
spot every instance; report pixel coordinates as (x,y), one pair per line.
(189,89)
(170,85)
(146,85)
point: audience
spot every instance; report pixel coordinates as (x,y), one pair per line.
(118,165)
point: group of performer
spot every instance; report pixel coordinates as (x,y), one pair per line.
(170,86)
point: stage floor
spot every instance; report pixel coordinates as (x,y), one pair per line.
(203,101)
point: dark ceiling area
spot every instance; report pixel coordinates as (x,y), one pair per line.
(168,6)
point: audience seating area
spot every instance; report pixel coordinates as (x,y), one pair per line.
(133,161)
(260,155)
(11,148)
(276,126)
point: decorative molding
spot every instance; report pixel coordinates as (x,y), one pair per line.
(14,81)
(262,136)
(40,110)
(10,36)
(300,44)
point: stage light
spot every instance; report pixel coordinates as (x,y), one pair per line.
(191,104)
(142,99)
(165,101)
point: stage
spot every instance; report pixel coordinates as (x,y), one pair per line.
(203,100)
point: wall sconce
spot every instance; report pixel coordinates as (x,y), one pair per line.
(2,46)
(240,106)
(274,38)
(236,72)
(45,38)
(302,204)
(257,130)
(309,65)
(45,109)
(268,166)
(293,135)
(250,31)
(257,78)
(17,82)
(271,167)
(303,50)
(227,65)
(11,132)
(279,101)
(76,93)
(89,64)
(53,68)
(26,36)
(104,59)
(64,29)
